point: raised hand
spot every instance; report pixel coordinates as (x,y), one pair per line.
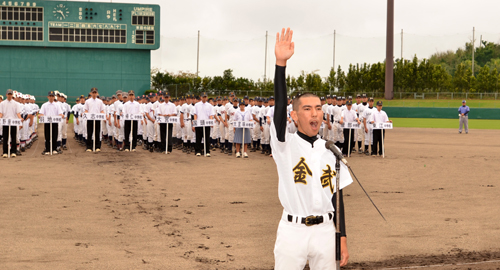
(284,47)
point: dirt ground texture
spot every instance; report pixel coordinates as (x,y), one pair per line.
(439,191)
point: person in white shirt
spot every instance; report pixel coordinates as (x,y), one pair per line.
(306,171)
(93,105)
(203,111)
(231,114)
(67,112)
(348,116)
(242,115)
(10,109)
(131,107)
(256,133)
(264,128)
(50,108)
(361,132)
(378,116)
(221,113)
(166,109)
(367,113)
(337,132)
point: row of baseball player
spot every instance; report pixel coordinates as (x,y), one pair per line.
(339,110)
(124,134)
(23,107)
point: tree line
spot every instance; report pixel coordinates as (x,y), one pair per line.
(442,72)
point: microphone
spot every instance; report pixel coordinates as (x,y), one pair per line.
(336,151)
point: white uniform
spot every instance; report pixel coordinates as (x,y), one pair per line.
(230,131)
(306,187)
(221,112)
(265,135)
(120,132)
(367,115)
(256,133)
(337,132)
(361,131)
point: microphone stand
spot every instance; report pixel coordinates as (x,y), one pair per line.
(337,214)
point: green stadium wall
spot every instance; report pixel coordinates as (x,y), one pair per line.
(447,113)
(73,71)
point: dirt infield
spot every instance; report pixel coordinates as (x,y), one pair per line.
(438,190)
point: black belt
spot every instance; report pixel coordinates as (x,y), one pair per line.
(311,220)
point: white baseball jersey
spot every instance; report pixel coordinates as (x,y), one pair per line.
(367,113)
(306,174)
(361,109)
(232,113)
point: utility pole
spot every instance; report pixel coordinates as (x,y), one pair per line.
(198,55)
(389,52)
(265,63)
(473,44)
(402,46)
(334,34)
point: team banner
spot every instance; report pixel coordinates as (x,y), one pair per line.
(167,119)
(93,116)
(203,123)
(353,125)
(137,117)
(11,122)
(243,124)
(382,125)
(50,119)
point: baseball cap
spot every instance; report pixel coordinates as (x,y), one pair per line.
(358,95)
(348,102)
(322,98)
(370,99)
(113,96)
(339,98)
(271,97)
(93,89)
(119,92)
(463,101)
(363,95)
(10,92)
(131,92)
(231,94)
(167,94)
(350,97)
(242,102)
(245,97)
(343,98)
(204,94)
(379,103)
(51,93)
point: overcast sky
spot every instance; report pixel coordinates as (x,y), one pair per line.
(233,32)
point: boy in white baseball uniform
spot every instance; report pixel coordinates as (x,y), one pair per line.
(306,178)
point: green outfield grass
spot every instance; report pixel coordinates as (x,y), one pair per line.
(441,103)
(444,123)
